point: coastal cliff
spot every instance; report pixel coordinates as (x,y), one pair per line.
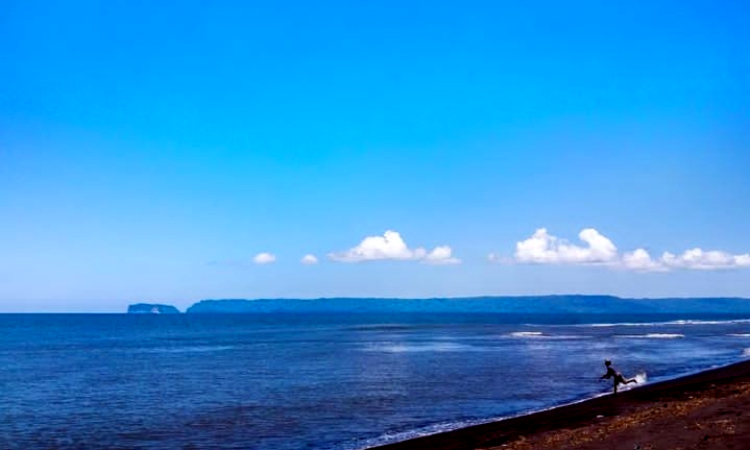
(550,305)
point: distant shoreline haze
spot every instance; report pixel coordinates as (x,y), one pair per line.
(552,304)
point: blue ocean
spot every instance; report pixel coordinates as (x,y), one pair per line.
(320,381)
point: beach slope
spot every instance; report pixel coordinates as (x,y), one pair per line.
(707,410)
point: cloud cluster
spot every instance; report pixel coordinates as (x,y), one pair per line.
(264,258)
(544,248)
(391,246)
(695,258)
(541,247)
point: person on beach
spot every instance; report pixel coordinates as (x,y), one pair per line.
(618,378)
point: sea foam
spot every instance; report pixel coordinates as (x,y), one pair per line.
(526,334)
(667,323)
(654,336)
(540,335)
(640,379)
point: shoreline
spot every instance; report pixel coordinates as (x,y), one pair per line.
(594,415)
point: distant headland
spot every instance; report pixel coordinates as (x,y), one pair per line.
(551,304)
(152,308)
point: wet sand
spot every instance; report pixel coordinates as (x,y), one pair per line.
(707,410)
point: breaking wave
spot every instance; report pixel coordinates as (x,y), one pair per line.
(640,379)
(654,336)
(526,334)
(667,323)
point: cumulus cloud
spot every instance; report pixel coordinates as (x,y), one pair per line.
(704,260)
(544,248)
(693,259)
(391,246)
(264,258)
(640,261)
(309,260)
(441,255)
(388,246)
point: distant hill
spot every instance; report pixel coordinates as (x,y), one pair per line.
(152,308)
(556,304)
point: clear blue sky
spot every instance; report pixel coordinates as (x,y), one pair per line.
(150,150)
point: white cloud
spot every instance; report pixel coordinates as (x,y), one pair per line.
(693,259)
(544,248)
(309,260)
(441,255)
(705,260)
(388,246)
(640,261)
(264,258)
(391,246)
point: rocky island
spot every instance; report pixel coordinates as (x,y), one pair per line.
(152,308)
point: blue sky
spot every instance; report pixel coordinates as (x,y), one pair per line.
(150,151)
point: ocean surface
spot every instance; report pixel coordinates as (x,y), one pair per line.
(325,381)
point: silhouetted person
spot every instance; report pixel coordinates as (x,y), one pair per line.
(618,378)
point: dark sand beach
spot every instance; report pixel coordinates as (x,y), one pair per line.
(707,410)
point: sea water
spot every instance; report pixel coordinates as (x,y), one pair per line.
(339,382)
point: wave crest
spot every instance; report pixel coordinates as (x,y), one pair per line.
(654,336)
(667,323)
(526,334)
